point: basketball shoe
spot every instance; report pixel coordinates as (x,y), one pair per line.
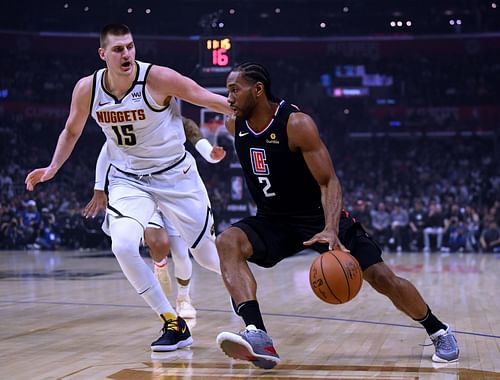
(251,344)
(175,334)
(184,307)
(446,346)
(161,273)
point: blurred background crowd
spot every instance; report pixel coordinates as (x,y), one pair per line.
(410,113)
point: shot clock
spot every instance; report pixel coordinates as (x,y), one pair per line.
(216,55)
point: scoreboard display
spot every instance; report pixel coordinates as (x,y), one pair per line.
(216,55)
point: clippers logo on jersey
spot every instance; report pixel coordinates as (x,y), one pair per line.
(258,158)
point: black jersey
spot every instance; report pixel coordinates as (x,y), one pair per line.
(278,179)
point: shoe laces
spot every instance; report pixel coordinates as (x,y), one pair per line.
(444,342)
(170,325)
(260,333)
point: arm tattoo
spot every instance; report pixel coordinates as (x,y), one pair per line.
(192,130)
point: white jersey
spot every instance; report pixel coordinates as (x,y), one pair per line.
(142,136)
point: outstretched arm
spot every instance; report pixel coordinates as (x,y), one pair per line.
(162,78)
(303,135)
(78,114)
(212,154)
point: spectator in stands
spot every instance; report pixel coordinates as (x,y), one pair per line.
(399,227)
(381,221)
(471,220)
(435,226)
(363,215)
(12,234)
(490,236)
(49,236)
(417,223)
(455,233)
(30,221)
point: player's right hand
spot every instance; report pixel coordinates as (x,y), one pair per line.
(97,204)
(39,175)
(218,153)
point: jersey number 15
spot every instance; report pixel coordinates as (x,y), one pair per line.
(125,134)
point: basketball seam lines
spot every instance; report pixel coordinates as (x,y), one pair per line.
(346,277)
(326,282)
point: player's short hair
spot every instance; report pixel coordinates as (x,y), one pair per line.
(255,72)
(114,30)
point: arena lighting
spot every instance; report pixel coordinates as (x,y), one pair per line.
(277,10)
(345,9)
(66,6)
(232,11)
(393,23)
(130,10)
(459,22)
(452,22)
(494,5)
(148,11)
(86,9)
(221,25)
(399,23)
(322,25)
(408,23)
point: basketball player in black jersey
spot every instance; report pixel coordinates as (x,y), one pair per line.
(290,175)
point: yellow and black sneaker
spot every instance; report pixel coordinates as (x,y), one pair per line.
(175,335)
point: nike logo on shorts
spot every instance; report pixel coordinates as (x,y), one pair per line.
(185,171)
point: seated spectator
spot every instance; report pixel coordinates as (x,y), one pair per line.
(49,237)
(362,215)
(30,221)
(12,233)
(454,235)
(490,237)
(399,227)
(381,221)
(417,223)
(471,219)
(435,226)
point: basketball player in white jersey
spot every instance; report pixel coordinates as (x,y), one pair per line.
(133,102)
(160,235)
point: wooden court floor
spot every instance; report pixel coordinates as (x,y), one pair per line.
(73,315)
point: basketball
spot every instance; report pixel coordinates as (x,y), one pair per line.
(335,277)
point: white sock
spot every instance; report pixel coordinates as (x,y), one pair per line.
(183,290)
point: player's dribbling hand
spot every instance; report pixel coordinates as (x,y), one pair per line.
(218,153)
(39,175)
(96,204)
(327,238)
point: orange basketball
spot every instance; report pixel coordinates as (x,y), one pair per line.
(335,277)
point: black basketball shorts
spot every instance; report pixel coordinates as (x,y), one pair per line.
(276,238)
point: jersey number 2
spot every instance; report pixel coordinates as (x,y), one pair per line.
(125,134)
(267,186)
